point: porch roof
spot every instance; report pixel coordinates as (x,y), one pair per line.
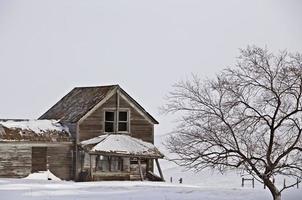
(124,145)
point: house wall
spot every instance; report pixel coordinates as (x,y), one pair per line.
(60,161)
(93,125)
(16,159)
(139,127)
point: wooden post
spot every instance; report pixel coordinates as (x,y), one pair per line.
(159,170)
(253,182)
(242,182)
(90,166)
(298,181)
(284,184)
(147,166)
(140,170)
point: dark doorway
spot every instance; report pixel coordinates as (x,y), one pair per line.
(39,159)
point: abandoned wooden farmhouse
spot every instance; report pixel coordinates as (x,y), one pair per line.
(91,134)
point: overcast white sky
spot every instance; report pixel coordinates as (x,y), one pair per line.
(49,47)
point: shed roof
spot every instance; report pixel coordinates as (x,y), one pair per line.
(121,145)
(79,101)
(33,130)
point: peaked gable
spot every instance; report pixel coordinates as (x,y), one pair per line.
(81,100)
(138,106)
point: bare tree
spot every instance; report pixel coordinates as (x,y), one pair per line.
(249,117)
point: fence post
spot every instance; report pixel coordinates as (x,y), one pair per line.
(284,184)
(242,182)
(253,182)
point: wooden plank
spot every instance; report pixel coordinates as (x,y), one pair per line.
(92,125)
(90,161)
(60,161)
(15,161)
(159,170)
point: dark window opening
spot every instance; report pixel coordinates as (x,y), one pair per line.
(39,159)
(122,126)
(116,121)
(109,116)
(123,116)
(109,122)
(109,127)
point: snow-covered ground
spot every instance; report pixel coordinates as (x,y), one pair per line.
(205,185)
(25,189)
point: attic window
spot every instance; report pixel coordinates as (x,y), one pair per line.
(123,121)
(109,121)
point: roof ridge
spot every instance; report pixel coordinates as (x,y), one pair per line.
(97,86)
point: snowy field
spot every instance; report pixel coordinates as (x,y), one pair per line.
(205,185)
(227,188)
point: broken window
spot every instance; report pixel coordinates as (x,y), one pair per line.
(109,163)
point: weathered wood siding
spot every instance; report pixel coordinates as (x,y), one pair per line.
(93,125)
(60,161)
(134,171)
(140,127)
(15,161)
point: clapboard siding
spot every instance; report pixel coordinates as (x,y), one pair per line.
(93,125)
(60,161)
(15,161)
(140,127)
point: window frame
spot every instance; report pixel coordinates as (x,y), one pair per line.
(116,120)
(127,122)
(113,164)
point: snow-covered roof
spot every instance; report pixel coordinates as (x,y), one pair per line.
(38,126)
(121,144)
(33,130)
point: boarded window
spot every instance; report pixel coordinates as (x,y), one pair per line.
(39,159)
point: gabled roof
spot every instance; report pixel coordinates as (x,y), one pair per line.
(121,145)
(139,106)
(73,106)
(79,101)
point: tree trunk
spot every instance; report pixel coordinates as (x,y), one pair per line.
(276,196)
(273,189)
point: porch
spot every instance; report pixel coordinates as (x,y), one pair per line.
(119,157)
